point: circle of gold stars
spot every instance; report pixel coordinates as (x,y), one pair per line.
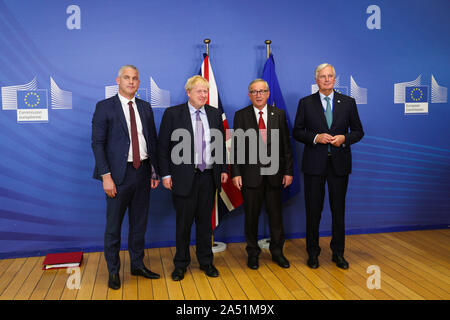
(413,94)
(28,97)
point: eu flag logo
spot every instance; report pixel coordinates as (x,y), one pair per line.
(142,94)
(416,94)
(32,99)
(341,90)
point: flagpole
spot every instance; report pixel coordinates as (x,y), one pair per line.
(216,246)
(268,42)
(265,243)
(207,42)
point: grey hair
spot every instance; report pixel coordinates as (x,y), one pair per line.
(258,80)
(322,66)
(125,67)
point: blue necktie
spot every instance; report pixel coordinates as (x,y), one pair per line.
(328,112)
(329,117)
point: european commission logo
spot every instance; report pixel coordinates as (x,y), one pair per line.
(158,98)
(32,106)
(356,92)
(31,103)
(415,96)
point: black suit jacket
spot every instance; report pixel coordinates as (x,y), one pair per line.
(251,173)
(111,139)
(178,117)
(310,121)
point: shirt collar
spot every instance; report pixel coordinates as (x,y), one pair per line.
(322,96)
(192,110)
(126,100)
(264,109)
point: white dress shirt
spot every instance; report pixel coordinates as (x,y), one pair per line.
(204,119)
(264,115)
(324,104)
(142,142)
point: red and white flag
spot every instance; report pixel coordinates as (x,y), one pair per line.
(230,196)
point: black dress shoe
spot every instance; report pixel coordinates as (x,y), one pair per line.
(253,263)
(313,262)
(210,270)
(114,281)
(281,260)
(178,274)
(340,261)
(144,272)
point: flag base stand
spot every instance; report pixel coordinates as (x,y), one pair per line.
(219,247)
(264,243)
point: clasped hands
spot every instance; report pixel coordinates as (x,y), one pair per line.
(325,138)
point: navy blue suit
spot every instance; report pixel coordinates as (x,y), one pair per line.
(320,166)
(192,191)
(111,144)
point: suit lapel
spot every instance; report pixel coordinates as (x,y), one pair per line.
(186,119)
(252,117)
(211,121)
(120,114)
(272,120)
(142,116)
(336,107)
(319,109)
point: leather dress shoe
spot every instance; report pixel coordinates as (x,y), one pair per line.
(178,274)
(210,270)
(253,263)
(144,272)
(114,281)
(313,262)
(281,260)
(340,261)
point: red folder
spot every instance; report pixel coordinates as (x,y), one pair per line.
(62,260)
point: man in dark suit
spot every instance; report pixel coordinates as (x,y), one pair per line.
(257,186)
(192,165)
(327,122)
(124,142)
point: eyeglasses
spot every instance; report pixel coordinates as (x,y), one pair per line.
(261,92)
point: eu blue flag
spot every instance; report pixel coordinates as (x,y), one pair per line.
(276,99)
(416,94)
(341,90)
(32,99)
(142,94)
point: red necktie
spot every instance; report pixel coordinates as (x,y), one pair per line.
(262,127)
(134,138)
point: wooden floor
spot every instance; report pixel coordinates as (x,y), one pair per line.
(414,265)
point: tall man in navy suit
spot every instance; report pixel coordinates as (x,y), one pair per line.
(327,122)
(192,165)
(124,142)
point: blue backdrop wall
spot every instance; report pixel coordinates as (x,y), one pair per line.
(70,52)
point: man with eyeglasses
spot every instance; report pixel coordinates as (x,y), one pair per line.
(270,125)
(327,122)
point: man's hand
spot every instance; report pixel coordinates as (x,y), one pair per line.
(324,138)
(237,181)
(224,177)
(154,183)
(167,183)
(287,180)
(338,140)
(109,186)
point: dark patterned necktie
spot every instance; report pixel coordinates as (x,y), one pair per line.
(134,138)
